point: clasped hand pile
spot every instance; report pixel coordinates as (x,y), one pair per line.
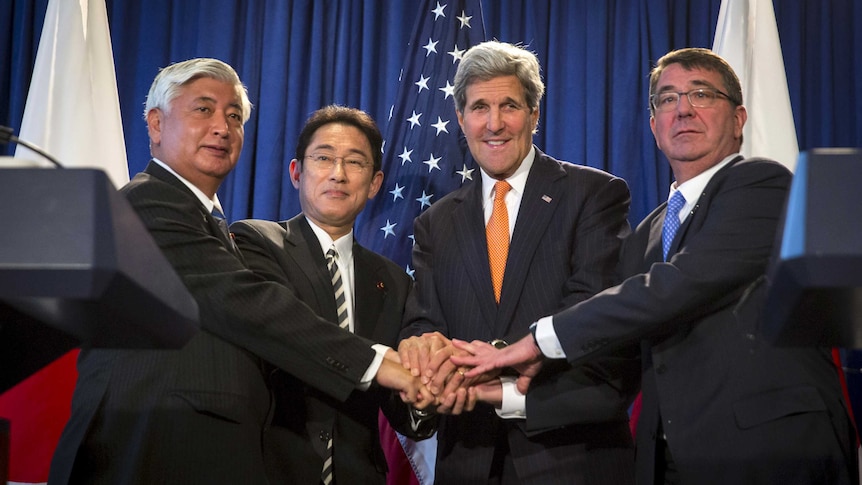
(458,374)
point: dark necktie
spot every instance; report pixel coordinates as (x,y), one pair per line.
(671,221)
(222,225)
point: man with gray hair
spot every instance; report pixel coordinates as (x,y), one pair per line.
(199,414)
(530,236)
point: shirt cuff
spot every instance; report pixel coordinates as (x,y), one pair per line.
(546,339)
(514,403)
(368,377)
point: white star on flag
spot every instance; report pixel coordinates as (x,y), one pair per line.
(432,163)
(422,83)
(465,20)
(465,173)
(388,229)
(425,200)
(430,47)
(438,12)
(456,54)
(405,156)
(414,120)
(448,90)
(441,126)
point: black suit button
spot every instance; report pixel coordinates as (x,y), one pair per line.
(324,436)
(660,369)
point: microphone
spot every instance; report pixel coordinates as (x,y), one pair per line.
(6,136)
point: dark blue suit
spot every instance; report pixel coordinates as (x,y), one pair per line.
(734,408)
(563,250)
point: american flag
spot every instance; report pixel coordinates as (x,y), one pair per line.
(425,153)
(425,156)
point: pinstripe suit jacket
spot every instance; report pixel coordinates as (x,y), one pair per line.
(198,414)
(564,249)
(734,408)
(289,253)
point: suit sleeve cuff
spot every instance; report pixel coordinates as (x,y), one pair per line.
(546,339)
(368,377)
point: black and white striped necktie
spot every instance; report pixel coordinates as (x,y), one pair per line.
(341,308)
(337,288)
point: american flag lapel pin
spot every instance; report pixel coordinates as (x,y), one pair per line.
(547,198)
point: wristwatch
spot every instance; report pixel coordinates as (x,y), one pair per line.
(421,413)
(499,343)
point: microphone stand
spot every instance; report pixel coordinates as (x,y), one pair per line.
(6,136)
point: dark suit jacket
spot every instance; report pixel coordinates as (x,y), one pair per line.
(734,408)
(289,253)
(564,249)
(198,415)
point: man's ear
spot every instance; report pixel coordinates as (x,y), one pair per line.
(154,125)
(376,183)
(295,171)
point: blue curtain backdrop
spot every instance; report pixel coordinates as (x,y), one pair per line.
(297,55)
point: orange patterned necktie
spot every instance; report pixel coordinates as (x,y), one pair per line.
(497,233)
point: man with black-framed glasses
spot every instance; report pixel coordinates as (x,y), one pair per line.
(720,403)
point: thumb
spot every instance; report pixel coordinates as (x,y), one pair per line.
(523,383)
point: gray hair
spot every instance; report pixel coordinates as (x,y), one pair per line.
(166,86)
(492,59)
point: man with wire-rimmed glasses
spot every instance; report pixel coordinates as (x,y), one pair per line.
(316,438)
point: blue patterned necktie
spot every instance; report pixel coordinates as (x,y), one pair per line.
(671,221)
(222,222)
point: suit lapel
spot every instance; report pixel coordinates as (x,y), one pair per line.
(160,173)
(653,253)
(369,290)
(303,247)
(542,195)
(702,202)
(469,227)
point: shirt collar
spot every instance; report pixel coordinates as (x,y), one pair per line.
(693,187)
(206,201)
(517,180)
(344,244)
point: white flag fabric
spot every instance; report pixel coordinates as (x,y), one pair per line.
(747,37)
(72,110)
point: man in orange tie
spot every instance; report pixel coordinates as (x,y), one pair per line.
(530,235)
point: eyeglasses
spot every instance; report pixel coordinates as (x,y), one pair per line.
(324,162)
(698,98)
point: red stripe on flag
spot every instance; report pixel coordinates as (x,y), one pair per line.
(836,359)
(400,471)
(37,409)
